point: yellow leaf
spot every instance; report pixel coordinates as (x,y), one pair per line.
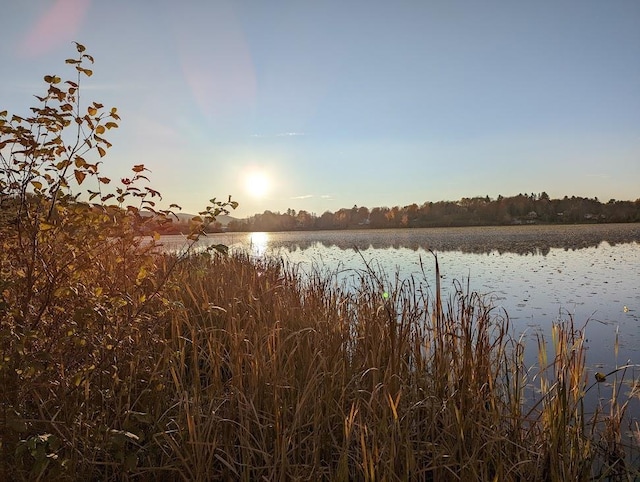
(100,129)
(46,226)
(101,151)
(79,176)
(37,184)
(92,110)
(142,274)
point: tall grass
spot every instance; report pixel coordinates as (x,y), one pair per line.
(247,369)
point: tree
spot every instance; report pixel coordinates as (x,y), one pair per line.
(342,219)
(326,221)
(304,220)
(378,217)
(362,217)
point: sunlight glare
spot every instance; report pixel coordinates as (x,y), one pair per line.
(256,184)
(259,243)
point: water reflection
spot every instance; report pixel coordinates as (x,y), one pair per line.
(522,240)
(258,243)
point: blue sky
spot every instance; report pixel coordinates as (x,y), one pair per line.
(372,103)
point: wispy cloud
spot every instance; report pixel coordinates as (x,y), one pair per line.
(305,196)
(27,87)
(327,196)
(281,134)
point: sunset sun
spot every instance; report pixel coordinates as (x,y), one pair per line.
(256,184)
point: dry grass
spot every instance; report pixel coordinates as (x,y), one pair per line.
(248,370)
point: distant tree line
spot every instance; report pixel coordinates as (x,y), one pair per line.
(147,223)
(477,211)
(179,226)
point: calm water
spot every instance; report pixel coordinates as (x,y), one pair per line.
(537,274)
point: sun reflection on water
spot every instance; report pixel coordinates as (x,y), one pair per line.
(259,242)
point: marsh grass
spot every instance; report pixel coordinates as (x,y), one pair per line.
(248,369)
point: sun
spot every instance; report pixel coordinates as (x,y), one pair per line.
(256,184)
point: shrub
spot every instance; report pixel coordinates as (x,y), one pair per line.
(81,285)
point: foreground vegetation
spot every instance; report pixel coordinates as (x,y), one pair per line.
(122,362)
(243,369)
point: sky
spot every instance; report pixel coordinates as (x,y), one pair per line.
(320,105)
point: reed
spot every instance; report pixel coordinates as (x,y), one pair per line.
(249,369)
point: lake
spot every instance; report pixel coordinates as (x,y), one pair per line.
(537,274)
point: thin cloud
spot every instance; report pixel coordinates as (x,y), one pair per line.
(305,196)
(27,87)
(281,134)
(327,196)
